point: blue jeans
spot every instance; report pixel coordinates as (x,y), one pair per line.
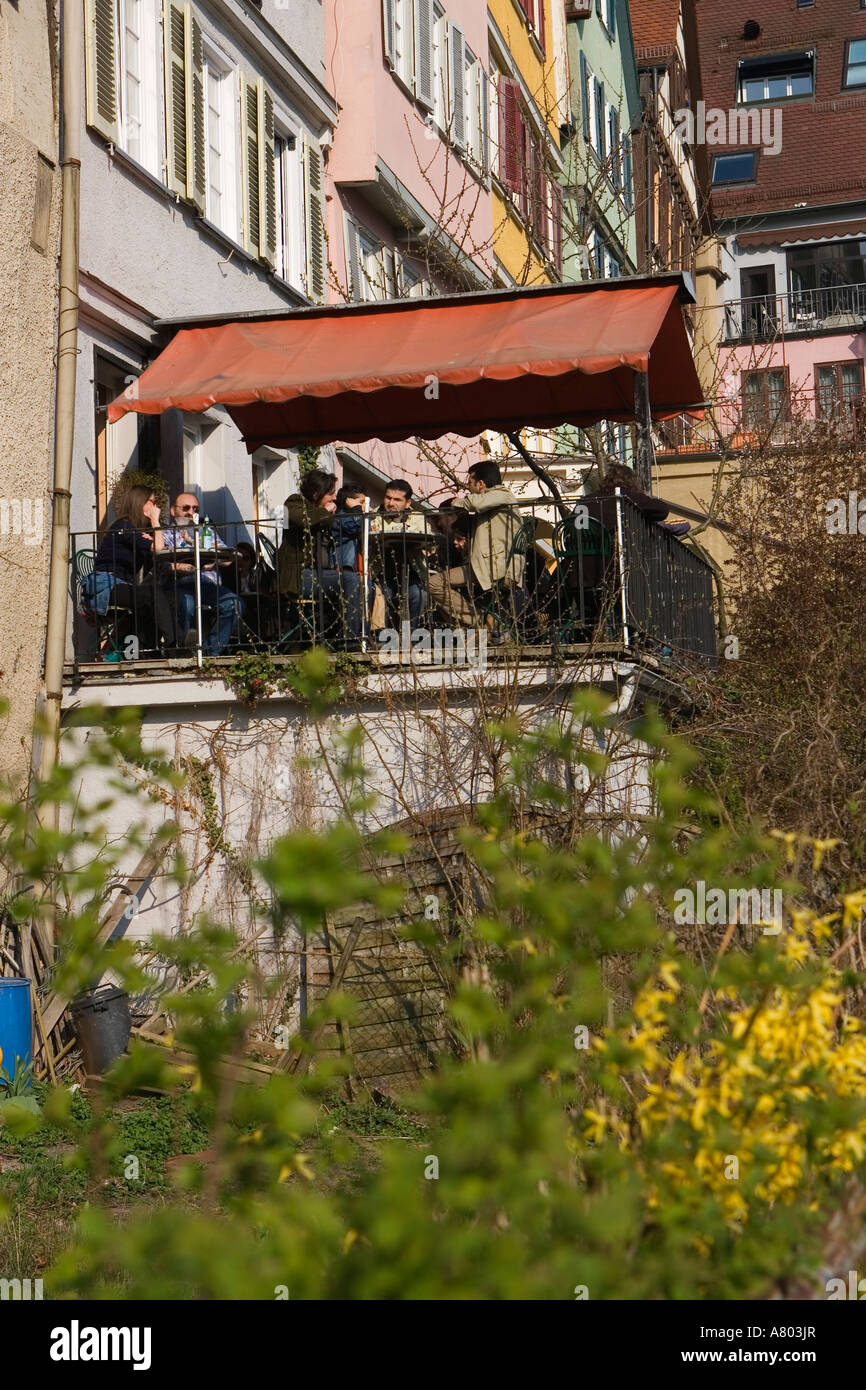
(213,597)
(416,594)
(97,589)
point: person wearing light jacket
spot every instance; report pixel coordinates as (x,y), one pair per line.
(494,511)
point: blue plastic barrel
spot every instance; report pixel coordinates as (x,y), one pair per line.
(16,1023)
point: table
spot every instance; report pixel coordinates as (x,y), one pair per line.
(194,555)
(398,536)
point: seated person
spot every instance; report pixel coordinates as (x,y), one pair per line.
(125,549)
(179,576)
(448,555)
(495,512)
(254,581)
(390,561)
(308,564)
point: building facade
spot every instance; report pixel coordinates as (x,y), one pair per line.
(29,245)
(408,186)
(789,198)
(205,130)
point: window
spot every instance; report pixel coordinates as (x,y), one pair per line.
(735,168)
(615,152)
(838,388)
(606,9)
(372,267)
(600,133)
(404,41)
(440,68)
(775,79)
(289,260)
(221,140)
(765,397)
(855,63)
(828,265)
(140,78)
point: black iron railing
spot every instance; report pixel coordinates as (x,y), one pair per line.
(764,317)
(446,583)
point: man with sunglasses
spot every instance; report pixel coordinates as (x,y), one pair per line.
(180,574)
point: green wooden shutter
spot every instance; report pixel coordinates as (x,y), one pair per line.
(100,66)
(267,177)
(314,205)
(250,159)
(176,142)
(196,147)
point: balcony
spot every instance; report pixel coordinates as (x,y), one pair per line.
(801,419)
(765,317)
(609,582)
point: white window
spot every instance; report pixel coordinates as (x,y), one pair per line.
(469,136)
(404,41)
(221,201)
(440,68)
(140,80)
(290,255)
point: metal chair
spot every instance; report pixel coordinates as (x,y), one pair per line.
(572,545)
(108,625)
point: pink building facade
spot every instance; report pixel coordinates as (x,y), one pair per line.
(407,181)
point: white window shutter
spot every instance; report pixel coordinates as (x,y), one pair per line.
(250,159)
(196,148)
(314,205)
(424,52)
(100,65)
(267,177)
(458,77)
(353,259)
(176,144)
(388,31)
(484,111)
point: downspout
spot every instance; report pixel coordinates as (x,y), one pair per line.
(72,46)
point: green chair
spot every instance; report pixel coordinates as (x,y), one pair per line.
(108,624)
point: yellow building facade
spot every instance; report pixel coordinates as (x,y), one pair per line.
(527,100)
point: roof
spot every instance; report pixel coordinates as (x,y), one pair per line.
(559,354)
(654,24)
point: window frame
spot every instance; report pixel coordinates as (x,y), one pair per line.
(853,86)
(289,183)
(765,373)
(214,59)
(840,401)
(734,154)
(151,154)
(743,76)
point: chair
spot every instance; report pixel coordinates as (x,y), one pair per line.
(498,602)
(267,550)
(108,624)
(572,545)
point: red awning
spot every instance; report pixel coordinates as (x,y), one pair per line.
(562,354)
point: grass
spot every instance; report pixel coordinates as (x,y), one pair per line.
(41,1194)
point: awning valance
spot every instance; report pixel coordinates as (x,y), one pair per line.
(456,365)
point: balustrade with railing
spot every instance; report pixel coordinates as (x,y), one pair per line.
(602,577)
(764,317)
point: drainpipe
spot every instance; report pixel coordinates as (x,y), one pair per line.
(72,47)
